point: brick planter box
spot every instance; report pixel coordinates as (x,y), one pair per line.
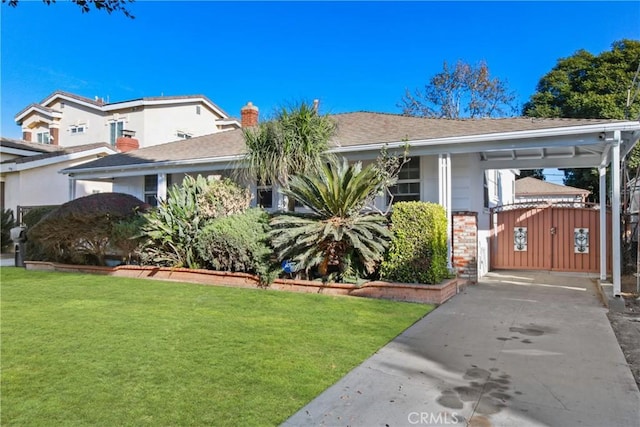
(433,294)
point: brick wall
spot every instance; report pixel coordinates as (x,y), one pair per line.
(465,245)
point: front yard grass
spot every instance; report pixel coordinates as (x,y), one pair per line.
(103,351)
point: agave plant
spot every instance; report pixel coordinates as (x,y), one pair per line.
(340,231)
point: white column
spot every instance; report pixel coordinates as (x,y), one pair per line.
(72,188)
(444,197)
(615,211)
(161,192)
(602,170)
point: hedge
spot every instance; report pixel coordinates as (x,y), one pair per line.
(418,250)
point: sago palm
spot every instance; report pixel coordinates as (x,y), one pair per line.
(340,230)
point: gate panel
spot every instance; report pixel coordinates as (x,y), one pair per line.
(537,245)
(550,242)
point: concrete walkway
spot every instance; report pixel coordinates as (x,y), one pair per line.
(519,349)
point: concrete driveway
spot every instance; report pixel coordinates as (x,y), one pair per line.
(518,349)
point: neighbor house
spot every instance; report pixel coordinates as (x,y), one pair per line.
(67,119)
(533,190)
(467,166)
(29,173)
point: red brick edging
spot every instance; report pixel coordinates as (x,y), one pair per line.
(434,294)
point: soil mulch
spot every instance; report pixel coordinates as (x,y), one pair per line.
(626,325)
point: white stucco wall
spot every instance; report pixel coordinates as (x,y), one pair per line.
(45,186)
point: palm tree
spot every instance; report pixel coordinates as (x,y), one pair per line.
(341,231)
(293,143)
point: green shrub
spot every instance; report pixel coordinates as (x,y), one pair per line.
(172,229)
(418,250)
(34,251)
(7,222)
(238,243)
(80,231)
(126,236)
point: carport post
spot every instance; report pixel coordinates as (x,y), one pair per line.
(444,198)
(615,211)
(602,170)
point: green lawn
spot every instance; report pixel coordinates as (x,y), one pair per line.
(96,350)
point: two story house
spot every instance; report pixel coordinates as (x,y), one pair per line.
(66,119)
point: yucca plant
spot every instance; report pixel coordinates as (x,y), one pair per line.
(340,231)
(294,142)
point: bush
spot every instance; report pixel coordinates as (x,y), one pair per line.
(80,231)
(7,222)
(34,251)
(238,243)
(126,236)
(172,229)
(418,250)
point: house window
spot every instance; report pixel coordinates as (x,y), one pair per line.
(43,137)
(198,109)
(183,135)
(407,189)
(115,130)
(151,189)
(77,129)
(264,197)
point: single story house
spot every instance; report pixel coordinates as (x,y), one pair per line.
(533,190)
(467,166)
(29,173)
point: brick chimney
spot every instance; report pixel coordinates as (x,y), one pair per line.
(127,142)
(249,115)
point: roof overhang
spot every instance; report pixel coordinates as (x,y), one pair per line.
(582,146)
(9,166)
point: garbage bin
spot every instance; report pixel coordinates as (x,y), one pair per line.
(19,237)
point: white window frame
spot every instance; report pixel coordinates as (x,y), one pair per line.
(414,195)
(43,137)
(114,132)
(77,129)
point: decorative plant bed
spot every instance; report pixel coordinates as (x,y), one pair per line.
(433,294)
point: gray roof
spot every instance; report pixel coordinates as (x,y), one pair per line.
(530,186)
(353,129)
(20,144)
(60,151)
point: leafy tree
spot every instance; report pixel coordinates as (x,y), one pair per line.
(80,231)
(591,86)
(339,233)
(534,173)
(464,91)
(294,142)
(108,6)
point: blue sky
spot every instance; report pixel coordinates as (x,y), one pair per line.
(351,55)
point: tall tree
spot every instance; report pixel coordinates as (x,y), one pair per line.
(294,142)
(464,91)
(534,173)
(590,86)
(86,5)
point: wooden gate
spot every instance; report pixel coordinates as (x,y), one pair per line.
(547,237)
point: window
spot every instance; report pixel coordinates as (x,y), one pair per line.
(77,129)
(265,196)
(407,189)
(151,189)
(198,109)
(183,135)
(43,137)
(115,130)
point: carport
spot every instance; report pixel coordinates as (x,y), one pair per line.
(599,146)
